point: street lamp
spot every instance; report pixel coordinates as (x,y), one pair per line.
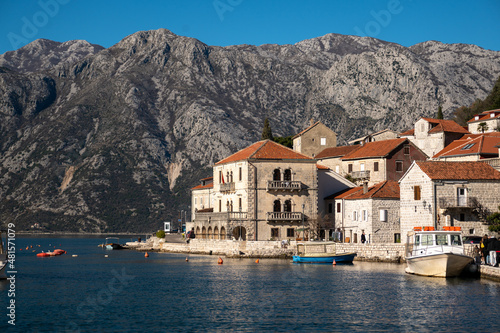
(303,229)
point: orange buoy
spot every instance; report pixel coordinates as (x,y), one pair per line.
(257,261)
(27,247)
(334,262)
(220,261)
(146,255)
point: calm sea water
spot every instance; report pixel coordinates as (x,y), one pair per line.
(127,292)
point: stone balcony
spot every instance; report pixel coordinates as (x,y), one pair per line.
(285,216)
(361,174)
(221,216)
(456,202)
(227,187)
(284,185)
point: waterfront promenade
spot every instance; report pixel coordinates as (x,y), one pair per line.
(275,249)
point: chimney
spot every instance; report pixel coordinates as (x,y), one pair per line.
(311,121)
(365,187)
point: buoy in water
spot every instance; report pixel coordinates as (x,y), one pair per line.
(75,255)
(257,261)
(334,262)
(146,255)
(105,256)
(187,259)
(220,261)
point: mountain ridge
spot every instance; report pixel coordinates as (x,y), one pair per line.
(111,139)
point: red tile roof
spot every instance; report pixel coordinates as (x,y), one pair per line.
(387,189)
(375,149)
(408,133)
(265,150)
(486,115)
(444,125)
(482,145)
(322,167)
(437,170)
(336,151)
(199,187)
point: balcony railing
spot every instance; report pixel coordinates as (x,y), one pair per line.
(284,185)
(221,216)
(456,202)
(361,174)
(227,187)
(284,216)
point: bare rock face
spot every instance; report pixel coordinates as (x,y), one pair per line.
(111,140)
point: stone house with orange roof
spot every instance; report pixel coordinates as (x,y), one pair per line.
(314,139)
(201,196)
(490,118)
(437,194)
(432,135)
(373,210)
(377,161)
(263,192)
(331,157)
(471,147)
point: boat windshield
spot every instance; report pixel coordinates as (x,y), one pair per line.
(442,239)
(427,240)
(456,240)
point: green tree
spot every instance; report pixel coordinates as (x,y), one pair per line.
(267,133)
(286,141)
(483,127)
(494,221)
(440,113)
(491,102)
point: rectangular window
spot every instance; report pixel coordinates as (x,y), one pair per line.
(290,232)
(239,203)
(397,238)
(338,207)
(375,166)
(220,206)
(349,168)
(407,150)
(337,169)
(330,208)
(365,215)
(416,192)
(362,167)
(383,215)
(462,217)
(220,176)
(355,216)
(274,232)
(399,166)
(241,175)
(323,141)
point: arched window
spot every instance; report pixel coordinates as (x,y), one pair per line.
(277,174)
(209,233)
(287,175)
(222,233)
(216,233)
(287,207)
(231,175)
(277,206)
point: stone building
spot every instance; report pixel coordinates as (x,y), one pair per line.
(490,118)
(265,191)
(372,210)
(432,135)
(471,147)
(386,134)
(201,196)
(435,193)
(377,161)
(314,139)
(331,157)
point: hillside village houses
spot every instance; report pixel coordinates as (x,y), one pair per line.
(269,192)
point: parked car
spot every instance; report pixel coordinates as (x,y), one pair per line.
(472,239)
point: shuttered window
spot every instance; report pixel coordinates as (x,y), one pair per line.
(416,192)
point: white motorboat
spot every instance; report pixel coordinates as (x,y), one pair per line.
(435,253)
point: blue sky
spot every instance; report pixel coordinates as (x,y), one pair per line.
(229,22)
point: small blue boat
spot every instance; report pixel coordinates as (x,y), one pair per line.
(321,253)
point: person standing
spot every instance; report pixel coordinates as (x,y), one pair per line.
(484,250)
(363,238)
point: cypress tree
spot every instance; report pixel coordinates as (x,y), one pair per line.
(440,113)
(267,133)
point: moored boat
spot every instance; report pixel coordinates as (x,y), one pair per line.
(109,245)
(438,253)
(321,253)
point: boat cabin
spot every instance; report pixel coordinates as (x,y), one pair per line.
(421,243)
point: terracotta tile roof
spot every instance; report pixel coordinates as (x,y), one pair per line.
(322,167)
(437,170)
(199,187)
(265,150)
(408,133)
(486,115)
(482,145)
(444,125)
(344,193)
(375,149)
(387,189)
(208,178)
(307,129)
(336,151)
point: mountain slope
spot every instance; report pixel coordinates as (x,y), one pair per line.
(112,139)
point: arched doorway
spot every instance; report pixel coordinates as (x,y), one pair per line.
(287,175)
(287,207)
(222,233)
(216,233)
(203,233)
(240,232)
(209,233)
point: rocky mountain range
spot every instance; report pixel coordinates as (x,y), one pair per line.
(111,140)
